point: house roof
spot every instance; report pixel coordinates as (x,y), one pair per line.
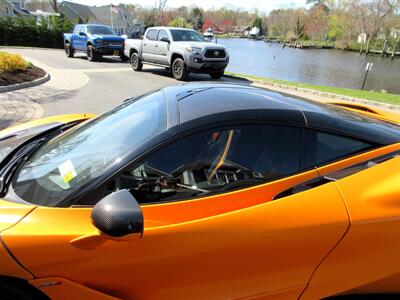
(75,10)
(98,14)
(240,28)
(20,11)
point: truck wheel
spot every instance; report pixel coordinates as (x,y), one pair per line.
(136,62)
(69,51)
(217,75)
(91,53)
(179,70)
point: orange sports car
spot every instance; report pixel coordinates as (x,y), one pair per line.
(202,191)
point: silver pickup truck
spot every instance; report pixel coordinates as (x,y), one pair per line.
(179,49)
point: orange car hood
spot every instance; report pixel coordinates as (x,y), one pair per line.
(11,213)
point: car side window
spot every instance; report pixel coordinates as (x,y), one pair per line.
(77,28)
(162,34)
(151,35)
(213,161)
(323,147)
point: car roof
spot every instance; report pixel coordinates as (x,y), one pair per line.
(198,104)
(99,25)
(169,28)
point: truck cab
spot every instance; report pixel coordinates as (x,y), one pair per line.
(94,40)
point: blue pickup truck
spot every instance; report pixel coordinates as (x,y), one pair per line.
(95,41)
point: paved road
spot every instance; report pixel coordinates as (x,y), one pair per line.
(80,86)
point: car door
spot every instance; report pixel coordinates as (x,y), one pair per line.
(82,38)
(76,38)
(222,220)
(162,47)
(148,45)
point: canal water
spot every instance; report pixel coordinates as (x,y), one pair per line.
(323,67)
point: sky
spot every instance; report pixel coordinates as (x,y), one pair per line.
(261,5)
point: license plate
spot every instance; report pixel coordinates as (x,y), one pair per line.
(116,53)
(217,66)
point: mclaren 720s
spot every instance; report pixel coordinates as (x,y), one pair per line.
(203,191)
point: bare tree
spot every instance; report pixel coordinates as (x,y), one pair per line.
(34,5)
(54,5)
(159,7)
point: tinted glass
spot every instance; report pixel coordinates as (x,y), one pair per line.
(162,34)
(99,30)
(77,29)
(64,164)
(324,147)
(213,161)
(151,35)
(179,35)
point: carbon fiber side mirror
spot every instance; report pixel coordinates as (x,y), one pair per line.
(118,214)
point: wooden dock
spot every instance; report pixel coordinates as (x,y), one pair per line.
(386,51)
(302,45)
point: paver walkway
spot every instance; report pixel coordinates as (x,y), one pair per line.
(24,105)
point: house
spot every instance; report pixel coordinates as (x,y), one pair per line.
(395,33)
(40,15)
(13,8)
(362,38)
(242,30)
(6,8)
(18,3)
(115,16)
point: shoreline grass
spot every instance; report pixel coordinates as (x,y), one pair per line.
(359,94)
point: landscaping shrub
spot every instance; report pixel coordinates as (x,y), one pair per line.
(25,31)
(12,62)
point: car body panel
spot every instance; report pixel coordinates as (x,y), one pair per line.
(221,256)
(9,267)
(67,118)
(10,214)
(367,110)
(64,289)
(366,260)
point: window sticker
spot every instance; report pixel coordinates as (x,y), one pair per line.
(67,171)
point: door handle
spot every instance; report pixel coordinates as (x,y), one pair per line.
(156,45)
(144,44)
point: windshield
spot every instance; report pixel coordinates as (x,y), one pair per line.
(64,164)
(180,35)
(100,30)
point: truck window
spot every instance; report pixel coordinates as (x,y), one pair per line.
(77,29)
(152,34)
(162,34)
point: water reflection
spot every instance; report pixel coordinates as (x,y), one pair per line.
(324,67)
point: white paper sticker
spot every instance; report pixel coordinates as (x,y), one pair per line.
(67,171)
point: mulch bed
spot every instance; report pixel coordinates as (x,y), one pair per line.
(10,78)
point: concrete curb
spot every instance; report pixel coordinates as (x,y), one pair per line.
(331,96)
(24,85)
(26,47)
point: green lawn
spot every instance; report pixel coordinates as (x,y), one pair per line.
(367,95)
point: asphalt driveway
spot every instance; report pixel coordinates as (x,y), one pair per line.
(80,86)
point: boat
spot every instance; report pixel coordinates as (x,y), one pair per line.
(209,33)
